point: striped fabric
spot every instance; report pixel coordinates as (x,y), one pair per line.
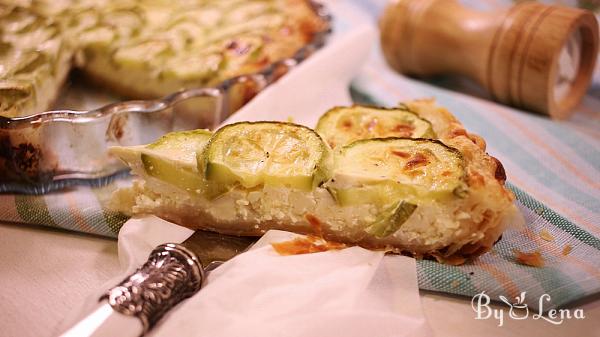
(556,163)
(571,269)
(80,209)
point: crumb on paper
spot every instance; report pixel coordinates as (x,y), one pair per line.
(315,224)
(310,243)
(306,245)
(290,119)
(567,250)
(546,236)
(532,259)
(455,283)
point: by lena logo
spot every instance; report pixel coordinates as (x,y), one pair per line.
(519,310)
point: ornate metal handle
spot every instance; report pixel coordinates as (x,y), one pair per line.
(171,274)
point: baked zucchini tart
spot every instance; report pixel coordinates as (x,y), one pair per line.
(34,61)
(410,180)
(164,46)
(143,49)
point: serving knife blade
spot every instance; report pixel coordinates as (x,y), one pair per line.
(172,273)
(213,249)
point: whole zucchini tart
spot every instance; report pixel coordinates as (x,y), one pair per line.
(142,48)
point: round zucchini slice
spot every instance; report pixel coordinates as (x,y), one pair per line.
(172,158)
(343,125)
(182,145)
(269,153)
(172,172)
(386,170)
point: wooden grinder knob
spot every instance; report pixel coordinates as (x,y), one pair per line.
(532,56)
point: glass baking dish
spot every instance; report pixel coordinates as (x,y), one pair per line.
(60,148)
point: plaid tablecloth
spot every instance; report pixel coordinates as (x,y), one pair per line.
(553,167)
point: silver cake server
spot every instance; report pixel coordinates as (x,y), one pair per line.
(172,273)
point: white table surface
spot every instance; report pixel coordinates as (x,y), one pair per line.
(46,272)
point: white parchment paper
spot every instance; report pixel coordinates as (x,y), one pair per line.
(350,292)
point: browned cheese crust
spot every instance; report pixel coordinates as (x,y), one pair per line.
(485,174)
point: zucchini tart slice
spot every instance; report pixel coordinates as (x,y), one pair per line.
(442,198)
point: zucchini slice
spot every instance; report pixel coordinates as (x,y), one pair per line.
(385,170)
(172,172)
(389,221)
(182,145)
(269,153)
(343,125)
(172,158)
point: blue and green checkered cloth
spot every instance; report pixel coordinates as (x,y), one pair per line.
(553,168)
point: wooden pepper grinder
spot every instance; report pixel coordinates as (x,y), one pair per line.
(532,56)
